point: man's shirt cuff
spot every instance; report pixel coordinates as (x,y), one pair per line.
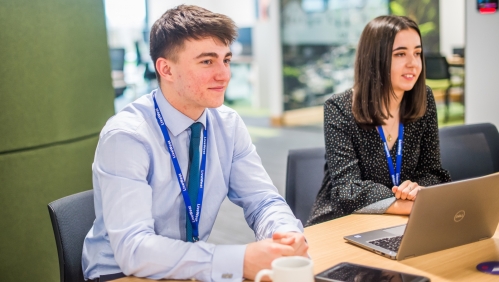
(289,228)
(228,262)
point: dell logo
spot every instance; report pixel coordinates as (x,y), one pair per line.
(459,216)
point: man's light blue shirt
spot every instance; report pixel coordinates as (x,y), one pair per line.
(140,213)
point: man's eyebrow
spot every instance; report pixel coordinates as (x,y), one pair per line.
(405,48)
(207,54)
(212,54)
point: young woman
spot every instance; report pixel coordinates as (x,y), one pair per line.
(381,136)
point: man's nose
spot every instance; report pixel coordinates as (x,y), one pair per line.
(223,72)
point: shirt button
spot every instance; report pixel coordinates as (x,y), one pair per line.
(227,275)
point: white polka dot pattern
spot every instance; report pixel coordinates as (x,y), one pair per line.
(356,171)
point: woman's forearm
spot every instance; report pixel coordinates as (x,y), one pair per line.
(403,207)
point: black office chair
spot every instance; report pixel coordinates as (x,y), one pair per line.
(117,58)
(72,217)
(469,151)
(304,176)
(148,73)
(437,68)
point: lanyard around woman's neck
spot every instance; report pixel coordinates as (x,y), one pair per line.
(394,173)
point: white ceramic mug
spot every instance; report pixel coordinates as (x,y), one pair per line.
(289,269)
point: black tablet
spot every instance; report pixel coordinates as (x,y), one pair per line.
(349,272)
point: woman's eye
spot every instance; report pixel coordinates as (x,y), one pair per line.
(399,54)
(227,61)
(418,54)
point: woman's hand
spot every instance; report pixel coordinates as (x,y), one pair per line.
(408,190)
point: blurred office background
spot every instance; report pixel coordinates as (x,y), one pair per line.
(69,65)
(302,49)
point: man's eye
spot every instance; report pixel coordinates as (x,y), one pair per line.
(207,62)
(227,61)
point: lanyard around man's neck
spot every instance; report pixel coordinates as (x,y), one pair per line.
(194,217)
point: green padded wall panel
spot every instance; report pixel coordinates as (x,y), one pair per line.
(55,75)
(29,180)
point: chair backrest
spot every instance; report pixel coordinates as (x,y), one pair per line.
(304,176)
(72,217)
(117,57)
(458,51)
(437,67)
(469,151)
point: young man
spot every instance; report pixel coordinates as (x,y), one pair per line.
(149,222)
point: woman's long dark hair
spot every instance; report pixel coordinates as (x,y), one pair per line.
(373,88)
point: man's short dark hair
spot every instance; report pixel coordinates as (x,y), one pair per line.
(373,87)
(187,22)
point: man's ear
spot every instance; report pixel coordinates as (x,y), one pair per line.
(164,69)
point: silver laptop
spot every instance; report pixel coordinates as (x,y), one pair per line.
(443,216)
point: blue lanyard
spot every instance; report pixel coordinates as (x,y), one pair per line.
(180,177)
(394,174)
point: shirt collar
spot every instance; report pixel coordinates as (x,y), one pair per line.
(176,121)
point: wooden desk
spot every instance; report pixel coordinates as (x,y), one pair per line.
(455,61)
(327,248)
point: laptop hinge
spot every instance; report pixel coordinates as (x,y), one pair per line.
(410,256)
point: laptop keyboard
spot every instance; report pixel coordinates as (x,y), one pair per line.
(392,243)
